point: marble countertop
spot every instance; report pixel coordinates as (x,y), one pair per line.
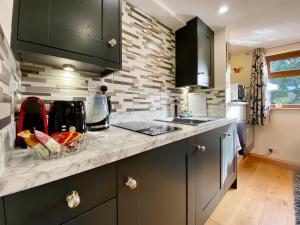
(23,171)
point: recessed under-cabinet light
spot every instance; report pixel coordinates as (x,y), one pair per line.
(68,67)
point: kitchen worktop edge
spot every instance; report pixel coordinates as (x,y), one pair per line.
(24,172)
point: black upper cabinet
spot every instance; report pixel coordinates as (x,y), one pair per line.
(31,29)
(83,31)
(195,55)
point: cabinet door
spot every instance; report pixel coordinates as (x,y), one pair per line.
(2,219)
(160,195)
(86,27)
(33,21)
(105,214)
(205,173)
(46,204)
(229,171)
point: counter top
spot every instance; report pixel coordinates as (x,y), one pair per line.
(239,103)
(23,171)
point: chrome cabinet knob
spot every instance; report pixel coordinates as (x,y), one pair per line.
(73,199)
(131,183)
(201,148)
(112,43)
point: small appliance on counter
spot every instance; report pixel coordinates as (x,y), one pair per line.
(147,128)
(238,93)
(32,116)
(98,110)
(66,116)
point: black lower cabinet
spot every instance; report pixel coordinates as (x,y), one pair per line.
(229,157)
(204,176)
(159,197)
(47,205)
(180,183)
(2,216)
(105,214)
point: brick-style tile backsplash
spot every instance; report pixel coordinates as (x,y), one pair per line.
(146,82)
(10,81)
(144,89)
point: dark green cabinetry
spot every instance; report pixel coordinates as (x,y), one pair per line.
(2,216)
(211,171)
(195,55)
(160,195)
(47,205)
(105,214)
(33,21)
(229,157)
(204,175)
(180,183)
(84,31)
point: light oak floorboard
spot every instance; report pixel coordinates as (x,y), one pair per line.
(264,197)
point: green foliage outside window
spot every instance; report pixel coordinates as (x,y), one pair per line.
(285,65)
(285,90)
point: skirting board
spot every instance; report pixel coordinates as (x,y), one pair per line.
(277,162)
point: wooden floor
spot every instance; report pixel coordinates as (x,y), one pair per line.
(264,197)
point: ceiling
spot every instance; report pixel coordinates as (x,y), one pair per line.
(249,23)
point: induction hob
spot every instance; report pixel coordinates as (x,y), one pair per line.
(147,128)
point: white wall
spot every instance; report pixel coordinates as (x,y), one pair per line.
(241,60)
(283,131)
(5,17)
(283,49)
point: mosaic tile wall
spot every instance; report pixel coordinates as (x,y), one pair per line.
(10,80)
(215,100)
(146,82)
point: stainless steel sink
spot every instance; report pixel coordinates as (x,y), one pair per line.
(187,121)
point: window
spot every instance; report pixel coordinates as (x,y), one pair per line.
(284,80)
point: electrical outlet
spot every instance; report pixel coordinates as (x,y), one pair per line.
(271,151)
(94,85)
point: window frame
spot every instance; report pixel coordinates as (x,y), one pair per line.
(282,56)
(280,74)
